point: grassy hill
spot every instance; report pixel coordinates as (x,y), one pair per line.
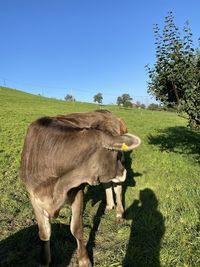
(161,193)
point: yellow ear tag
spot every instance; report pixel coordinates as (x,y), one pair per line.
(124,147)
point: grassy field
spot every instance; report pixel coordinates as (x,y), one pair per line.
(161,193)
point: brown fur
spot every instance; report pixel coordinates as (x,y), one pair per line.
(62,153)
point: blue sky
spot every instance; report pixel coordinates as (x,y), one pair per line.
(82,47)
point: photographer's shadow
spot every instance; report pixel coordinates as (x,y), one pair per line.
(147,230)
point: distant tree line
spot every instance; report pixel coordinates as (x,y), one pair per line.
(126,101)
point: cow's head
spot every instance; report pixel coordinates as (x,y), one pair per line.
(112,168)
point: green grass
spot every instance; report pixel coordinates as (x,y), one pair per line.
(161,193)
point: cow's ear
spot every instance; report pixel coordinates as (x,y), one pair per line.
(122,126)
(126,142)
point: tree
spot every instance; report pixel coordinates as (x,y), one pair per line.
(140,105)
(98,98)
(124,100)
(154,106)
(143,106)
(191,101)
(69,98)
(174,79)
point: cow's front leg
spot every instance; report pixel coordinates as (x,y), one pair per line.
(76,227)
(118,193)
(44,226)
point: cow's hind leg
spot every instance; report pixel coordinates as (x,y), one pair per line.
(110,204)
(44,226)
(76,227)
(118,193)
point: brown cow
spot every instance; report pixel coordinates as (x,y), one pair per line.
(114,126)
(63,153)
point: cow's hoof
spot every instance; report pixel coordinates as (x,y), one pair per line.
(84,262)
(110,207)
(120,218)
